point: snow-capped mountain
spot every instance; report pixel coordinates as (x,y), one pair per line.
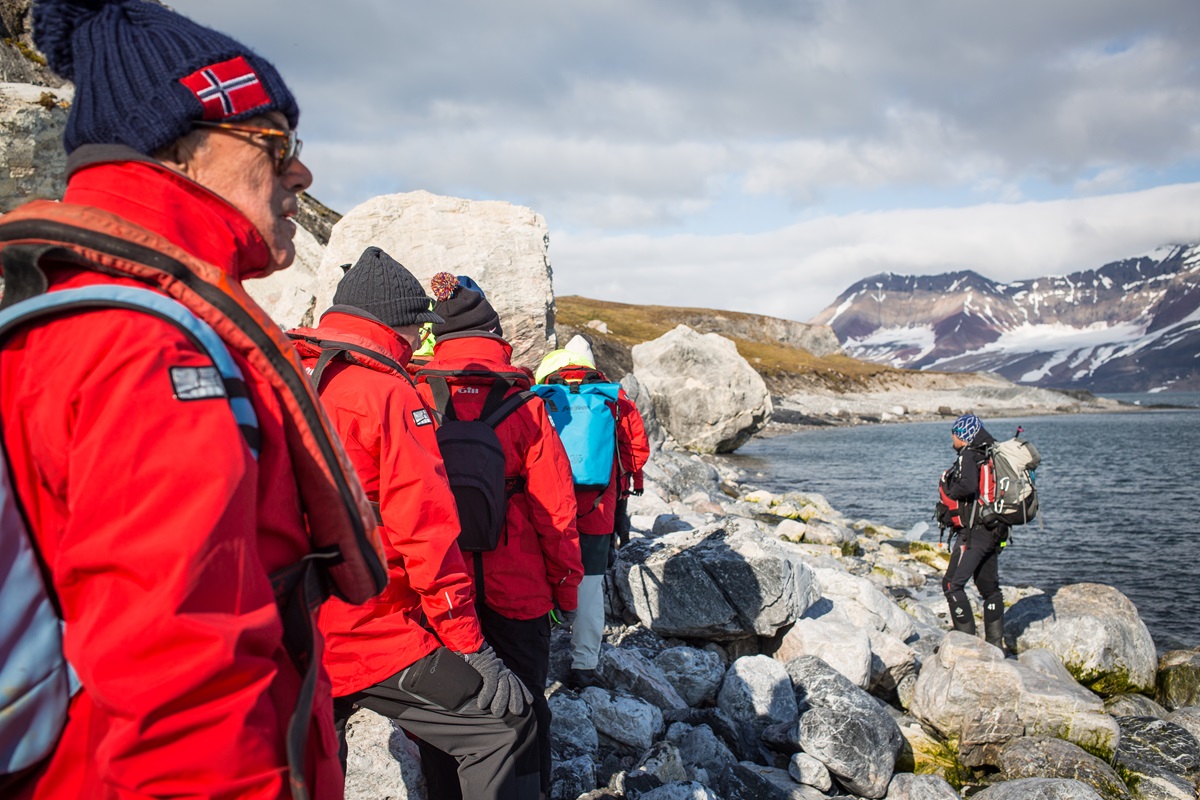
(1131,325)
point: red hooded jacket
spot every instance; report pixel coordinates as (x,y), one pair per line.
(598,509)
(537,564)
(389,436)
(160,530)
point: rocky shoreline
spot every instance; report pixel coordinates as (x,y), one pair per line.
(765,646)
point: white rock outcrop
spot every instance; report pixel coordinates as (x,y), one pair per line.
(704,393)
(503,247)
(32,161)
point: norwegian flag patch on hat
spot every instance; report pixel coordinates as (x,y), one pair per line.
(228,89)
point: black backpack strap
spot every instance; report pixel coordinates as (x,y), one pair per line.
(331,349)
(507,407)
(441,397)
(479,598)
(23,275)
(495,398)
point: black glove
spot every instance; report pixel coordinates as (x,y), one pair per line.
(560,617)
(502,691)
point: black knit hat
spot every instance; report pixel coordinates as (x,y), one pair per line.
(143,73)
(381,286)
(463,309)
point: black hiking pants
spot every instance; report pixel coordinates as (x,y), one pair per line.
(485,754)
(975,554)
(524,647)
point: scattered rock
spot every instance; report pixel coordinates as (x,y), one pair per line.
(624,719)
(1159,754)
(906,786)
(695,674)
(1094,630)
(381,760)
(1038,789)
(1055,758)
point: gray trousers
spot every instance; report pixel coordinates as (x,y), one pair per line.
(487,749)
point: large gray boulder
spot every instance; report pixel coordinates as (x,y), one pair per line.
(703,753)
(907,786)
(381,760)
(705,394)
(1094,630)
(748,781)
(624,719)
(720,582)
(1039,757)
(695,674)
(971,694)
(1039,789)
(630,672)
(571,730)
(504,247)
(32,160)
(757,692)
(844,728)
(1159,759)
(845,647)
(859,602)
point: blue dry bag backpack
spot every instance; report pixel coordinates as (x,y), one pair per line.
(585,416)
(37,681)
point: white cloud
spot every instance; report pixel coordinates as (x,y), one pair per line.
(794,272)
(813,141)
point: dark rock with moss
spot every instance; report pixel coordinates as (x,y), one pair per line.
(1055,758)
(1158,759)
(1179,679)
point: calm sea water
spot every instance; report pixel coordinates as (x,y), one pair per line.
(1120,497)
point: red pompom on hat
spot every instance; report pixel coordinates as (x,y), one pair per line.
(464,310)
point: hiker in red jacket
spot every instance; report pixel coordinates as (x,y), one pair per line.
(602,515)
(378,654)
(536,566)
(159,521)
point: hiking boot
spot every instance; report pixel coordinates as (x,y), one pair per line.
(993,632)
(580,679)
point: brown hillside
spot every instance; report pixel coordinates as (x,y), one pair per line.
(786,369)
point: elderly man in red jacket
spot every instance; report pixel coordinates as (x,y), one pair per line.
(379,655)
(159,520)
(536,566)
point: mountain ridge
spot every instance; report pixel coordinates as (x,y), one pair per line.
(1129,325)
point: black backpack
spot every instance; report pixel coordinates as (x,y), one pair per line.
(474,461)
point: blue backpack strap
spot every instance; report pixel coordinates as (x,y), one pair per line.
(37,680)
(158,305)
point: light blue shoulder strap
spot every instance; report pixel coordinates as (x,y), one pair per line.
(159,305)
(37,681)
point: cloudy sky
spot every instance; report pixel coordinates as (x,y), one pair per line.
(760,155)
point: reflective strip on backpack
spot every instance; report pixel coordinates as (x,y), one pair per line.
(36,679)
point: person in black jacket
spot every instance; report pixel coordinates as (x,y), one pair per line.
(975,550)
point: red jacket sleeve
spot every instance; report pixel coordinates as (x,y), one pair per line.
(171,622)
(421,520)
(552,509)
(633,448)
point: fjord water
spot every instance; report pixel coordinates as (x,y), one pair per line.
(1119,494)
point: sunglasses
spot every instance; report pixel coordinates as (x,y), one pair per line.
(287,147)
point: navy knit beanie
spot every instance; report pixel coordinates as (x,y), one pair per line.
(143,73)
(381,286)
(463,309)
